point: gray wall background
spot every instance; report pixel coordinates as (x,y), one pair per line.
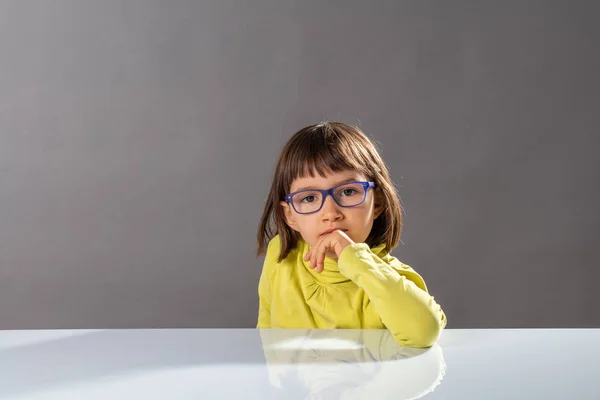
(138,138)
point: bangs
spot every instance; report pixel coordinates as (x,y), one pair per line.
(321,160)
(323,151)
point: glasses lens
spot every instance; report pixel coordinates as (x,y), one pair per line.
(307,201)
(350,195)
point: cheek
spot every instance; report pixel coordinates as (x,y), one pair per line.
(364,222)
(359,220)
(307,227)
(362,213)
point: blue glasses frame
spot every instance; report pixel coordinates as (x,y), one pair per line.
(329,192)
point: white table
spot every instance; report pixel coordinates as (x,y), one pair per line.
(297,364)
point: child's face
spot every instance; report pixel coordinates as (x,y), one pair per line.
(355,221)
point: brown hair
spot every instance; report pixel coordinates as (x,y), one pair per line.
(329,147)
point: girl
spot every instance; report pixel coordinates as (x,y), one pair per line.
(330,220)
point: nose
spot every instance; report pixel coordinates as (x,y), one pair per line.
(330,210)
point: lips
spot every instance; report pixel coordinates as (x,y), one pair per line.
(328,231)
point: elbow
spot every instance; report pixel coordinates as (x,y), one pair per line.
(429,335)
(423,334)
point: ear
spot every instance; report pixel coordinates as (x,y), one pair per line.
(379,204)
(288,215)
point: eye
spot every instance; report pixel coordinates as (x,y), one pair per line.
(307,199)
(348,192)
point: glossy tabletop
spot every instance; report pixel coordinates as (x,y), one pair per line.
(298,364)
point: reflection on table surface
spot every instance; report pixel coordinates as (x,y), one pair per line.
(349,364)
(245,363)
(298,364)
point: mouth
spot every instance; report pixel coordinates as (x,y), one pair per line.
(328,231)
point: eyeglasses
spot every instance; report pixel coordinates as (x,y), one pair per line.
(310,201)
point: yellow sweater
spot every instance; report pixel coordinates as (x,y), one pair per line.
(365,289)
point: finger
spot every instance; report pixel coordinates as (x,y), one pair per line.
(314,252)
(321,260)
(314,257)
(317,256)
(321,255)
(333,249)
(307,256)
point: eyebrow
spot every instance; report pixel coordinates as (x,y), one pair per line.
(353,179)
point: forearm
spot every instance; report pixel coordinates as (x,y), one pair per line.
(409,312)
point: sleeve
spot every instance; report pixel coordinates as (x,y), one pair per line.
(398,293)
(265,284)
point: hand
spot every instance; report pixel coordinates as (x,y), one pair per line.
(330,245)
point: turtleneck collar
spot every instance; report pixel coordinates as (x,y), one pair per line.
(331,273)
